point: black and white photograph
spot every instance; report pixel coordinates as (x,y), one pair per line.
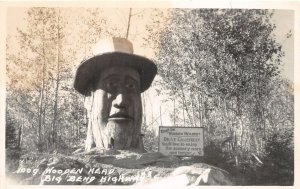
(147,95)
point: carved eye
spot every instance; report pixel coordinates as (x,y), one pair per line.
(131,86)
(111,84)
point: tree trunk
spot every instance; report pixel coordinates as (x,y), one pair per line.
(160,116)
(89,142)
(20,136)
(185,106)
(239,117)
(55,108)
(128,25)
(42,106)
(144,110)
(174,113)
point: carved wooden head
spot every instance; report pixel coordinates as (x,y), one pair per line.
(112,81)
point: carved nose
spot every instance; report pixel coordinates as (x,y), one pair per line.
(120,101)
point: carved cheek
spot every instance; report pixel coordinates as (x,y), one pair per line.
(104,105)
(137,109)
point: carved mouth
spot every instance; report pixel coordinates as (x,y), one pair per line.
(120,116)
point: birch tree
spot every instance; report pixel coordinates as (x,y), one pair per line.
(218,65)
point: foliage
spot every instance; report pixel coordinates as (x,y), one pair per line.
(39,81)
(150,139)
(278,168)
(12,144)
(214,155)
(11,137)
(222,67)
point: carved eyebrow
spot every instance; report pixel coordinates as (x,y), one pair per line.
(132,78)
(110,76)
(116,76)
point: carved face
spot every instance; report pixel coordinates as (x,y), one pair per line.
(117,108)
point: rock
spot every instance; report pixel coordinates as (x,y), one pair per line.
(120,167)
(212,177)
(136,160)
(96,151)
(193,175)
(203,174)
(167,161)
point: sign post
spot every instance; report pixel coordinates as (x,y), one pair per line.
(181,141)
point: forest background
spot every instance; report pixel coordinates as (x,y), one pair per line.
(221,69)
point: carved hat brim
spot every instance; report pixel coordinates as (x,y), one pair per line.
(89,70)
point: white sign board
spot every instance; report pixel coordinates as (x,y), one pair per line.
(181,141)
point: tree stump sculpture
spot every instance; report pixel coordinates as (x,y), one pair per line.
(112,82)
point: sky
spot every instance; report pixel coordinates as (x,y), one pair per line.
(283,19)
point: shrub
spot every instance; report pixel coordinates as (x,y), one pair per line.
(278,168)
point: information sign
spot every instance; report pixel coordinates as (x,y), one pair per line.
(181,141)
